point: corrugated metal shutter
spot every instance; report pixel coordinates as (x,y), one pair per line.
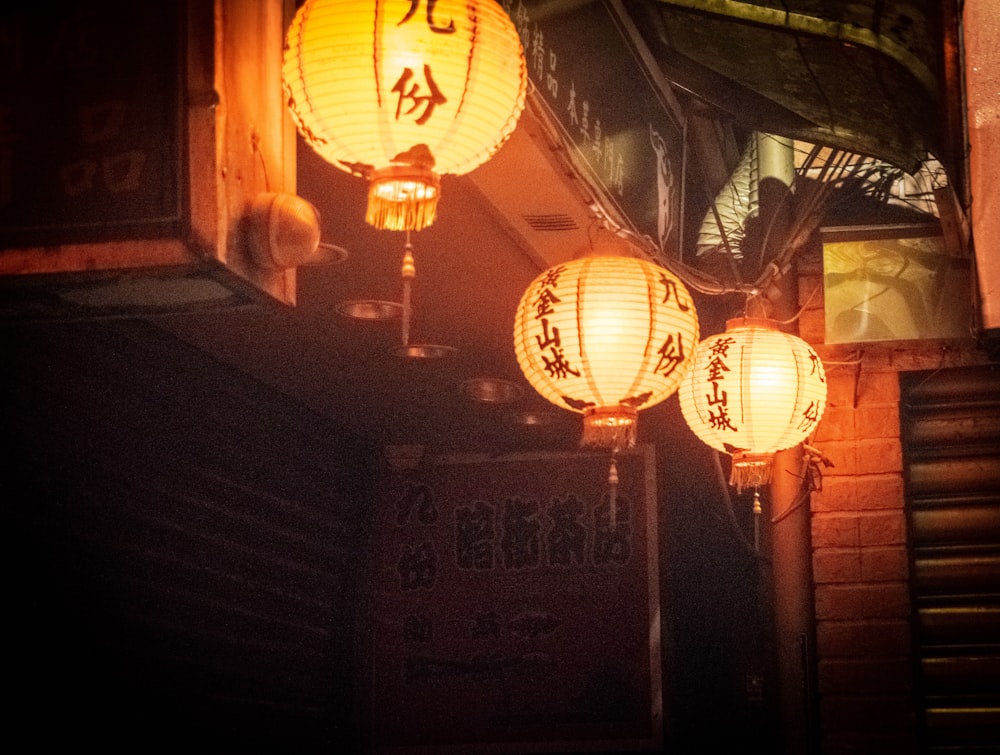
(184,550)
(951,446)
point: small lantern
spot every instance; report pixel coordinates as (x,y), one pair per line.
(752,391)
(606,335)
(401,92)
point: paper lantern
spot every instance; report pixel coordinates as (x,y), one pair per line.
(605,336)
(402,92)
(752,391)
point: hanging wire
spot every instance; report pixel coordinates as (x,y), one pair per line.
(811,475)
(803,308)
(727,499)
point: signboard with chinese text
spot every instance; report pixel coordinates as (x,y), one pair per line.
(92,135)
(516,606)
(622,125)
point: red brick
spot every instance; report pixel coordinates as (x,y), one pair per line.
(840,387)
(877,421)
(862,601)
(834,531)
(832,565)
(837,424)
(879,455)
(839,493)
(882,528)
(878,388)
(852,639)
(843,454)
(882,491)
(812,326)
(884,564)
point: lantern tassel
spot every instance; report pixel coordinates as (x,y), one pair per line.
(404,197)
(750,471)
(400,216)
(614,428)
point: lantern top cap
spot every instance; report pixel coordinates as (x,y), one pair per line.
(607,243)
(765,323)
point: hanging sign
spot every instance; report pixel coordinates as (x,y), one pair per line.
(516,606)
(621,123)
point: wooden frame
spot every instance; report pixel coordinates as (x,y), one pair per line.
(508,615)
(174,236)
(894,287)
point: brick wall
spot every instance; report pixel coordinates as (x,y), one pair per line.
(860,569)
(865,674)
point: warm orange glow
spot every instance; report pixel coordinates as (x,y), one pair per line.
(379,86)
(753,390)
(606,336)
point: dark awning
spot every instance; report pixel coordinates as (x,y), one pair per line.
(868,77)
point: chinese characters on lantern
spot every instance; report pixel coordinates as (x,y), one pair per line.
(671,353)
(431,23)
(812,412)
(718,400)
(412,99)
(544,304)
(410,93)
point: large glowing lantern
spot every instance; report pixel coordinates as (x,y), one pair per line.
(752,391)
(606,335)
(402,92)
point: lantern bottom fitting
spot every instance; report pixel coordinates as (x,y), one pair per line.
(750,470)
(611,427)
(402,198)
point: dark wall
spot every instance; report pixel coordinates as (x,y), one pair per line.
(185,551)
(181,550)
(719,684)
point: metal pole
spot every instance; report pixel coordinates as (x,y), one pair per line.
(789,539)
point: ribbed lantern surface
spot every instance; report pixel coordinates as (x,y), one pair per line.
(403,92)
(753,390)
(606,336)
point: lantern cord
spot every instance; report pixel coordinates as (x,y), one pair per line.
(409,272)
(756,298)
(613,491)
(692,276)
(756,519)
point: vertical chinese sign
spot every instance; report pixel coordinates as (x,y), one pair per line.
(621,120)
(91,133)
(516,606)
